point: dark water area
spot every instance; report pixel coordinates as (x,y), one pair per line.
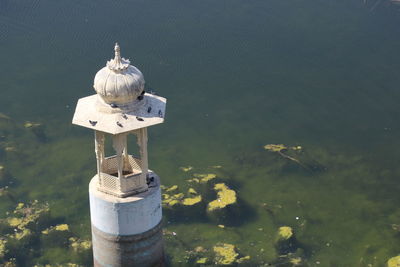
(238,75)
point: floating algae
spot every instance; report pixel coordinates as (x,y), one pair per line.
(178,196)
(190,201)
(285,240)
(22,234)
(172,200)
(79,245)
(37,129)
(186,169)
(199,249)
(26,217)
(172,188)
(275,148)
(225,254)
(243,259)
(285,232)
(29,124)
(3,249)
(3,191)
(296,261)
(10,263)
(14,222)
(394,262)
(4,116)
(10,149)
(226,197)
(203,260)
(280,149)
(202,178)
(192,191)
(61,227)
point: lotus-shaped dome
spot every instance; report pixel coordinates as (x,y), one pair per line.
(119,82)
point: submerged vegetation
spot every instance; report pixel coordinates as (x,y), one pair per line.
(247,74)
(225,195)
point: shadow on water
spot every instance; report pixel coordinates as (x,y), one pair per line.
(234,215)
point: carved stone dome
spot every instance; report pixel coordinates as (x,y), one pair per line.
(119,83)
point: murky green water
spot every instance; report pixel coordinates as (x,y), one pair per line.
(238,75)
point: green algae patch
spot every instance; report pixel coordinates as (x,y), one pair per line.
(204,178)
(280,149)
(172,200)
(225,254)
(178,196)
(10,263)
(394,262)
(4,116)
(192,191)
(25,217)
(29,215)
(275,148)
(225,195)
(190,201)
(3,248)
(61,227)
(194,180)
(285,232)
(79,245)
(186,169)
(286,242)
(203,260)
(216,166)
(22,234)
(208,177)
(296,261)
(29,124)
(172,188)
(14,222)
(243,259)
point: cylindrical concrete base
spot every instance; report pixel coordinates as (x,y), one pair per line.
(126,231)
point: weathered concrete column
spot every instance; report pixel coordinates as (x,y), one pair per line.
(126,231)
(125,197)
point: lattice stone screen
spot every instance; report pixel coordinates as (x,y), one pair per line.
(109,182)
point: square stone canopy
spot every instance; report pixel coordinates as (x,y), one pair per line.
(150,112)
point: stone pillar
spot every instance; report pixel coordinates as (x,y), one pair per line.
(126,232)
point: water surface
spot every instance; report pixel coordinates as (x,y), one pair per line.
(238,75)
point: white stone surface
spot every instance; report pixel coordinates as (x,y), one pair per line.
(119,82)
(125,216)
(91,113)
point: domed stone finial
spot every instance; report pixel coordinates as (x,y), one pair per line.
(119,83)
(118,64)
(117,53)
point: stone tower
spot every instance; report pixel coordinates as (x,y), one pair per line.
(125,196)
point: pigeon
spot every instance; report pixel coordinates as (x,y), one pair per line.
(93,123)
